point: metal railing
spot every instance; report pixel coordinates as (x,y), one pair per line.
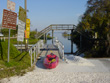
(63,26)
(2,38)
(35,50)
(46,30)
(60,47)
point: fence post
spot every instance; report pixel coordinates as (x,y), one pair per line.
(4,38)
(36,51)
(63,52)
(34,54)
(31,57)
(1,38)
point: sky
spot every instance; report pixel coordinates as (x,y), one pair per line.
(43,13)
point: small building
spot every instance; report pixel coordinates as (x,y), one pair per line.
(1,35)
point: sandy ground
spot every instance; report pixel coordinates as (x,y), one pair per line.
(74,70)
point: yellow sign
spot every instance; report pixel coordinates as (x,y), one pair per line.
(28,25)
(28,21)
(22,14)
(27,33)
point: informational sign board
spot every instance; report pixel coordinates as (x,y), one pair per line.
(10,5)
(22,14)
(28,25)
(21,29)
(95,35)
(9,19)
(27,33)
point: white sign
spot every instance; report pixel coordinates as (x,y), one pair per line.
(21,28)
(10,5)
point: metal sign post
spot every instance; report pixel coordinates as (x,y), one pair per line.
(9,45)
(9,21)
(21,47)
(18,44)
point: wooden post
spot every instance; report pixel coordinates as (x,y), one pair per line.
(26,39)
(52,35)
(45,38)
(80,41)
(34,55)
(72,41)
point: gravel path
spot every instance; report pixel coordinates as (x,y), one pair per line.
(60,77)
(78,71)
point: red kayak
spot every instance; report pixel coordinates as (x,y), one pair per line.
(51,61)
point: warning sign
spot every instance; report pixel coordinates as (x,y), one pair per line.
(22,14)
(28,25)
(27,33)
(9,19)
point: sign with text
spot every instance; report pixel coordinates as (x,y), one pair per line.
(22,14)
(21,28)
(27,33)
(9,19)
(95,35)
(10,5)
(28,25)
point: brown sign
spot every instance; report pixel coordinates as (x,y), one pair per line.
(9,19)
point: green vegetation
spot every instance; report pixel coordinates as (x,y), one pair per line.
(18,64)
(96,19)
(48,37)
(31,41)
(65,34)
(32,34)
(6,32)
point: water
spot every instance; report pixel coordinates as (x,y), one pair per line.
(64,41)
(87,49)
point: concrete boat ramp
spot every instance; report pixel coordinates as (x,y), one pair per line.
(75,64)
(72,63)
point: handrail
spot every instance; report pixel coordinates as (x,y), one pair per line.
(61,48)
(3,38)
(47,29)
(36,50)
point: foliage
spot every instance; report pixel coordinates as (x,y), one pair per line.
(66,35)
(48,37)
(6,32)
(96,18)
(32,34)
(4,50)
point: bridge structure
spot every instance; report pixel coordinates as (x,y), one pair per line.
(55,27)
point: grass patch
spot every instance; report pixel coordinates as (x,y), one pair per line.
(18,64)
(30,40)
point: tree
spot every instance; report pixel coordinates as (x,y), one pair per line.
(97,17)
